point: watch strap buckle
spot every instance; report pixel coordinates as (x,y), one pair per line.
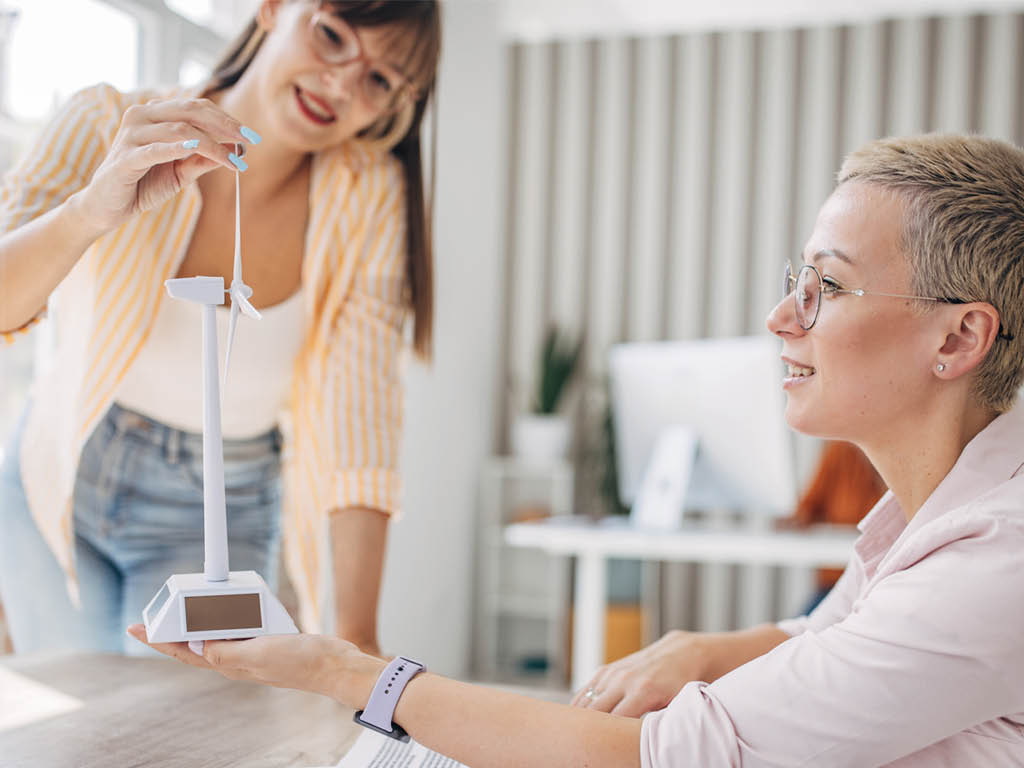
(396,732)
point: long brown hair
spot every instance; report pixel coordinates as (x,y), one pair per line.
(417,21)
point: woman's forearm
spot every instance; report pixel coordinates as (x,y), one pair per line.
(36,256)
(358,542)
(483,726)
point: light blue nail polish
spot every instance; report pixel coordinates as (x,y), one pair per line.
(251,136)
(190,144)
(239,163)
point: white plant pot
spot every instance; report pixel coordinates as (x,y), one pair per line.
(540,439)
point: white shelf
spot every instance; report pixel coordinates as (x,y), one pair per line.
(522,597)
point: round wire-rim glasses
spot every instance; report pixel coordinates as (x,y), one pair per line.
(336,43)
(807,287)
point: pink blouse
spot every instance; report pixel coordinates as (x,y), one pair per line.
(916,658)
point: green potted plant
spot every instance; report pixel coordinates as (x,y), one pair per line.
(542,436)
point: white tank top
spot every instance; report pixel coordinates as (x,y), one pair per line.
(165,381)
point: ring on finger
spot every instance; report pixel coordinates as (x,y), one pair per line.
(590,693)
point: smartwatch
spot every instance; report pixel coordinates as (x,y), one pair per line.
(381,706)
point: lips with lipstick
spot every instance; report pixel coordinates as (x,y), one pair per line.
(313,107)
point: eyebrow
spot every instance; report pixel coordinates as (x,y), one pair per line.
(337,13)
(394,67)
(397,69)
(833,253)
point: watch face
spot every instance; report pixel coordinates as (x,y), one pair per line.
(204,613)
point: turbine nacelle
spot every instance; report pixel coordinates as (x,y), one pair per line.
(201,290)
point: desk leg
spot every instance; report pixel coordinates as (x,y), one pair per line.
(588,617)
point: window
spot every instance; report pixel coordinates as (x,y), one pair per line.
(61,46)
(199,11)
(49,51)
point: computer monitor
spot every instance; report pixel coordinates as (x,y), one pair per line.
(729,393)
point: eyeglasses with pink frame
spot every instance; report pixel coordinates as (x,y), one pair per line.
(336,43)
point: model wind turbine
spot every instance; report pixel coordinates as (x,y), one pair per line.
(217,604)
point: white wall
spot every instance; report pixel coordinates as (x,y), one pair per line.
(451,407)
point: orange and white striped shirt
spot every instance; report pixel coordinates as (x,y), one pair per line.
(342,423)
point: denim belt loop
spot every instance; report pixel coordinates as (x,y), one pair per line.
(119,418)
(173,445)
(130,421)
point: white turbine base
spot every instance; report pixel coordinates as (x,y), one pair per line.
(187,604)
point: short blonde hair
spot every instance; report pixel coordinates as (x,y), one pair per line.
(963,233)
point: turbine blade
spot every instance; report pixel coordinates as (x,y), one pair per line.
(231,340)
(236,275)
(249,309)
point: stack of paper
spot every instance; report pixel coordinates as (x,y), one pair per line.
(374,750)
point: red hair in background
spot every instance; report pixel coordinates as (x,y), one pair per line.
(843,490)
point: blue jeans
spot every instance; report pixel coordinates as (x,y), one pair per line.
(138,518)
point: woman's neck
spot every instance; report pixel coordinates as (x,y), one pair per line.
(915,457)
(272,165)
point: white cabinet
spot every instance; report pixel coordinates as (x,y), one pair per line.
(521,621)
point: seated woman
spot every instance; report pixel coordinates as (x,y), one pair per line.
(902,331)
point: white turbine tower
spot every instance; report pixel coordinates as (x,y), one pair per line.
(218,603)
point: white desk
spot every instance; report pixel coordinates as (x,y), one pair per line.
(592,544)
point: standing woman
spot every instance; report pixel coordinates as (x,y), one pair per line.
(101,496)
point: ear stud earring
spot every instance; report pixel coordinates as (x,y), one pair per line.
(940,367)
